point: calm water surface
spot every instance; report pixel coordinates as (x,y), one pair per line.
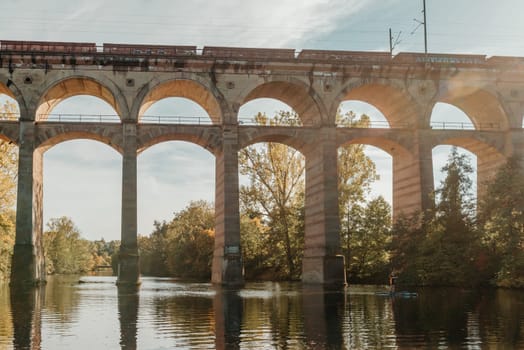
(166,314)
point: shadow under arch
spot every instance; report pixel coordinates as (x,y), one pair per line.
(10,132)
(301,98)
(480,105)
(395,104)
(489,159)
(73,86)
(406,197)
(4,89)
(193,90)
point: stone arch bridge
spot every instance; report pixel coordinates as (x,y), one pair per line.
(405,88)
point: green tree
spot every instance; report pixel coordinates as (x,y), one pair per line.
(275,194)
(407,238)
(102,253)
(356,172)
(502,222)
(8,176)
(65,251)
(153,251)
(370,241)
(256,252)
(448,247)
(190,240)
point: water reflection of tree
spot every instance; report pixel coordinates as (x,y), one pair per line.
(371,323)
(501,315)
(61,300)
(437,316)
(189,314)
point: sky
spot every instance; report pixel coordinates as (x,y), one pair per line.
(82,179)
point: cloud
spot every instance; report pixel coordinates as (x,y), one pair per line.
(274,23)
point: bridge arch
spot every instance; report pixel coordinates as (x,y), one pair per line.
(359,108)
(296,94)
(448,116)
(9,133)
(192,88)
(291,138)
(8,90)
(489,158)
(406,187)
(208,137)
(58,91)
(46,140)
(72,183)
(171,174)
(10,93)
(395,103)
(480,105)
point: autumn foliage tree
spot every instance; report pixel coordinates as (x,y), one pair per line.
(274,195)
(8,176)
(182,247)
(66,252)
(361,238)
(273,200)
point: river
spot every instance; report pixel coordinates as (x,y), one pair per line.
(167,314)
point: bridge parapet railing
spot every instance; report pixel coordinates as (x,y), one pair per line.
(372,124)
(250,121)
(82,118)
(256,121)
(175,119)
(464,126)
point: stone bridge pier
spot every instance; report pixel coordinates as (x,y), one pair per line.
(128,257)
(28,264)
(322,262)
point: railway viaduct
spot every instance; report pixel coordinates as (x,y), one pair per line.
(405,88)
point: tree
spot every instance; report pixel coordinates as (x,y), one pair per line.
(356,172)
(256,247)
(153,251)
(8,176)
(502,222)
(7,241)
(190,240)
(448,247)
(370,240)
(65,251)
(275,193)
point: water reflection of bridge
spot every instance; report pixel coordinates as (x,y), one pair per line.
(314,83)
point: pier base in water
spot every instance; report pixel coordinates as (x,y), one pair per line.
(27,266)
(326,270)
(128,268)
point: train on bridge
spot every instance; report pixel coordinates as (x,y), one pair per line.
(11,47)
